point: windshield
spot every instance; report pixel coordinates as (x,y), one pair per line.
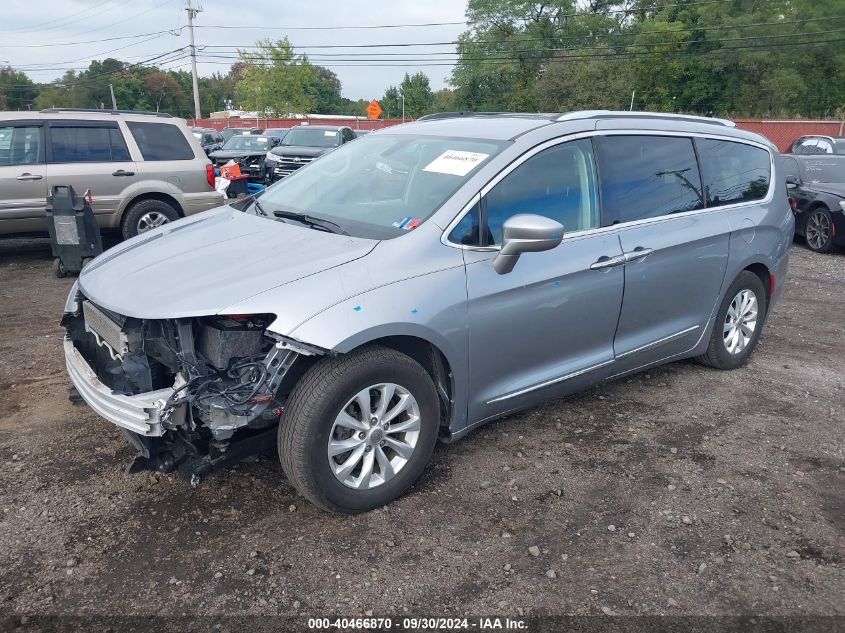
(311,137)
(381,185)
(247,143)
(828,169)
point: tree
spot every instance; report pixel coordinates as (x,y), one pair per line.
(391,103)
(275,81)
(419,99)
(17,91)
(324,87)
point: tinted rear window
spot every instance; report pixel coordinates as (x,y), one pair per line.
(647,176)
(160,141)
(733,172)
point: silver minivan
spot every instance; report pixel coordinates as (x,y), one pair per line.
(141,170)
(425,280)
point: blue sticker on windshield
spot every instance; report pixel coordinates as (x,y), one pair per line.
(407,223)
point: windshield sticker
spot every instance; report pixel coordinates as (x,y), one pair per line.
(455,162)
(408,223)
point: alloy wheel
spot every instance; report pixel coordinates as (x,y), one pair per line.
(740,322)
(151,220)
(374,436)
(818,230)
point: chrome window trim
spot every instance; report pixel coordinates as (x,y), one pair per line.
(770,194)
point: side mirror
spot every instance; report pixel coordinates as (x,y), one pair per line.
(792,181)
(526,233)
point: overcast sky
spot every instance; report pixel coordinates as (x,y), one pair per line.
(29,30)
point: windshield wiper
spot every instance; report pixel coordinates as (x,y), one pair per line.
(309,220)
(259,208)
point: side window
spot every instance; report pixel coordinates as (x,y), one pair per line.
(119,150)
(824,146)
(647,177)
(20,145)
(559,183)
(160,141)
(733,172)
(81,144)
(467,231)
(809,146)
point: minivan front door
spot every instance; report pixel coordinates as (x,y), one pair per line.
(675,264)
(23,187)
(546,328)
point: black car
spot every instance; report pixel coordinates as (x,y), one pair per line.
(276,132)
(301,145)
(229,132)
(816,186)
(211,140)
(249,151)
(817,144)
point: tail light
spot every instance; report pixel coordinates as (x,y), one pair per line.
(793,204)
(209,174)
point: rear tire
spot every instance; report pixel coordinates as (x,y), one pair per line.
(738,324)
(146,215)
(818,232)
(325,413)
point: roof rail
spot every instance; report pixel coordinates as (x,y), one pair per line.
(163,115)
(453,115)
(618,114)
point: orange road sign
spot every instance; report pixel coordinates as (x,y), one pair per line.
(373,110)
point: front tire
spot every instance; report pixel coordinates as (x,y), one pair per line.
(818,232)
(359,429)
(738,324)
(146,215)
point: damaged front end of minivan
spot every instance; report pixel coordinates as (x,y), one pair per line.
(193,394)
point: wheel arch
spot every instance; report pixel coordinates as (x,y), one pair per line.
(765,275)
(152,195)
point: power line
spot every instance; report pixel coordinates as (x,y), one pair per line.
(561,58)
(174,32)
(64,21)
(546,50)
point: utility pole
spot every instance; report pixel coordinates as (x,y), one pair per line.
(192,13)
(113,102)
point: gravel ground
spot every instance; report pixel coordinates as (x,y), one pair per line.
(680,491)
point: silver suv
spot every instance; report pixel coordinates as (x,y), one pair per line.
(425,280)
(141,170)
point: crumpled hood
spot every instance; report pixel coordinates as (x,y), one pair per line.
(202,264)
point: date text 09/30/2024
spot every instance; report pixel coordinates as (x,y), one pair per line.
(418,624)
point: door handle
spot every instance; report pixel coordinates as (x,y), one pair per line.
(607,262)
(28,176)
(122,172)
(637,253)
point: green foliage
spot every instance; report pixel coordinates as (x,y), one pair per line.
(737,58)
(17,91)
(275,81)
(417,94)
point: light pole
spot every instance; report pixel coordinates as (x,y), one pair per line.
(402,94)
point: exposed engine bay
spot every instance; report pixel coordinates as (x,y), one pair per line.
(225,379)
